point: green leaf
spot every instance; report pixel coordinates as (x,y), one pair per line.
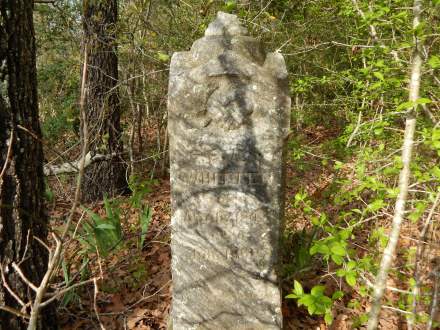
(344,234)
(350,277)
(230,6)
(379,76)
(300,196)
(297,288)
(328,317)
(340,272)
(337,259)
(66,272)
(338,249)
(363,291)
(376,205)
(315,221)
(325,301)
(378,130)
(436,171)
(145,220)
(311,308)
(434,61)
(318,290)
(405,105)
(105,226)
(306,300)
(163,57)
(338,165)
(319,247)
(423,100)
(420,208)
(292,296)
(337,295)
(351,265)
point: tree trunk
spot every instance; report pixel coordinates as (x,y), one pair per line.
(405,172)
(106,177)
(22,212)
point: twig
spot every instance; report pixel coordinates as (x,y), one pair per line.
(23,277)
(58,294)
(11,292)
(397,310)
(77,225)
(95,306)
(36,137)
(43,244)
(84,147)
(262,10)
(8,155)
(23,258)
(62,153)
(390,288)
(148,297)
(356,129)
(139,301)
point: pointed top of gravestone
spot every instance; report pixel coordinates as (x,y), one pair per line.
(226,25)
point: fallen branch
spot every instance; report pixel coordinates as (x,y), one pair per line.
(73,167)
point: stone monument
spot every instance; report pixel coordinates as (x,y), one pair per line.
(229,113)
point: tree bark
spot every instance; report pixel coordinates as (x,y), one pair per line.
(105,177)
(22,212)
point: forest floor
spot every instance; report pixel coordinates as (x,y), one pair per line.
(135,290)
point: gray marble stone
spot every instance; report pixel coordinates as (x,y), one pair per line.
(229,113)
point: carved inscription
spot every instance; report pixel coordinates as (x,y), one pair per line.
(229,255)
(195,218)
(192,177)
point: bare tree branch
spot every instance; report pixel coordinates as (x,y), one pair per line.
(14,311)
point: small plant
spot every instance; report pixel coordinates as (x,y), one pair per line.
(316,301)
(71,294)
(102,233)
(140,188)
(145,220)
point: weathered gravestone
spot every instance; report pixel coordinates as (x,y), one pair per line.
(228,118)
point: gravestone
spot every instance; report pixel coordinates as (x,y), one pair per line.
(229,113)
